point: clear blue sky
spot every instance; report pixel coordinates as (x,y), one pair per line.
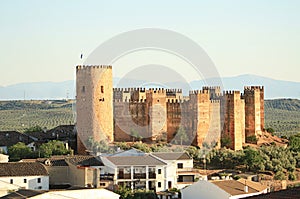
(42,40)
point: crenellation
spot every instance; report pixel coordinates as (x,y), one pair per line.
(84,67)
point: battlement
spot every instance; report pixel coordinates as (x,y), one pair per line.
(248,88)
(157,90)
(84,67)
(142,101)
(175,101)
(196,92)
(211,88)
(173,91)
(232,92)
(129,89)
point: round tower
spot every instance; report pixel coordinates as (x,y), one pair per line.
(94,104)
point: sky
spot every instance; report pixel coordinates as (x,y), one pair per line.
(42,40)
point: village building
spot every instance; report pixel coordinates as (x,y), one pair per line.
(223,189)
(135,169)
(23,175)
(70,171)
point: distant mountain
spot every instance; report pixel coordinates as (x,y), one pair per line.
(38,90)
(62,90)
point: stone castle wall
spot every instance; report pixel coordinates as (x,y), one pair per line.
(207,115)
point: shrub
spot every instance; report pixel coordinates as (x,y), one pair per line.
(251,139)
(292,176)
(279,176)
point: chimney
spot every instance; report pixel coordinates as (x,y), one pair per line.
(246,187)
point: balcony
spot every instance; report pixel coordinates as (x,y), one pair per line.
(139,176)
(109,177)
(124,176)
(151,175)
(186,179)
(187,171)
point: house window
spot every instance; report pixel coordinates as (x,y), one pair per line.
(102,184)
(39,187)
(39,180)
(159,171)
(159,184)
(25,180)
(169,184)
(179,165)
(11,181)
(83,89)
(102,89)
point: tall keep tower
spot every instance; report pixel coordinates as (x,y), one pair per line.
(234,119)
(156,100)
(94,104)
(200,100)
(254,108)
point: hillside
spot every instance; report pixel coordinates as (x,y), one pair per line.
(283,115)
(19,115)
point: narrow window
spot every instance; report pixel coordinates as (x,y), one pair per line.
(180,165)
(159,171)
(39,180)
(25,180)
(11,181)
(102,89)
(159,184)
(83,89)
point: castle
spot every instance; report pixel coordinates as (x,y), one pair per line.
(207,116)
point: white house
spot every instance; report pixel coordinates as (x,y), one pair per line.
(25,175)
(3,158)
(180,172)
(150,171)
(223,189)
(134,169)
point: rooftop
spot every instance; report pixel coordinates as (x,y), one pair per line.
(172,155)
(283,194)
(234,187)
(78,160)
(23,193)
(59,132)
(22,169)
(9,138)
(135,160)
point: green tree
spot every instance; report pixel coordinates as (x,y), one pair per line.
(294,143)
(251,139)
(53,147)
(32,129)
(253,159)
(19,151)
(226,142)
(142,146)
(135,135)
(124,192)
(181,135)
(279,175)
